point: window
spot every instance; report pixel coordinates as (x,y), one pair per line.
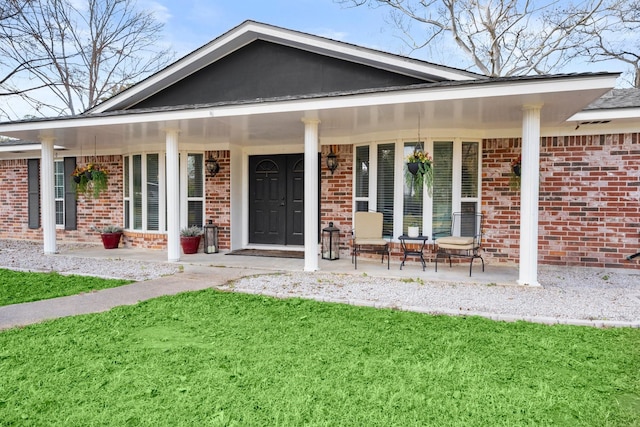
(127,194)
(153,192)
(412,197)
(58,190)
(470,180)
(362,179)
(144,191)
(385,186)
(141,193)
(195,190)
(381,185)
(442,188)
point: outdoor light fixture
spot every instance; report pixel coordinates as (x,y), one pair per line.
(211,238)
(332,160)
(331,242)
(212,165)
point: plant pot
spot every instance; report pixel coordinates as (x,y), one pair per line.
(111,240)
(516,170)
(413,231)
(190,244)
(88,175)
(77,179)
(413,167)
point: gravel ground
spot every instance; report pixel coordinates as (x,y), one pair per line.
(28,256)
(570,294)
(575,295)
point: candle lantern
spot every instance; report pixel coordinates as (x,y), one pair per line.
(210,238)
(331,242)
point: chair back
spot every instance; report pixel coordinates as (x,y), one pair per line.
(467,224)
(368,225)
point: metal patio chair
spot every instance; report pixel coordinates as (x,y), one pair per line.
(465,240)
(367,235)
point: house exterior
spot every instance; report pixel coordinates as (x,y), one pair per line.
(269,104)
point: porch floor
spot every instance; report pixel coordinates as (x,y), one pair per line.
(459,272)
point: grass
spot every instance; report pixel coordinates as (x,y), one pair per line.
(225,359)
(17,287)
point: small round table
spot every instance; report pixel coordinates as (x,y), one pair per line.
(422,240)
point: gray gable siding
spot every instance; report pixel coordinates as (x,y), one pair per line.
(267,70)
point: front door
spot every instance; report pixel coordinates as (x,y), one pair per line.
(276,204)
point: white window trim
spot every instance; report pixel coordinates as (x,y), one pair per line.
(184,187)
(427,211)
(59,199)
(162,192)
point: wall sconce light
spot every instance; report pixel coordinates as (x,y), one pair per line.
(332,160)
(212,165)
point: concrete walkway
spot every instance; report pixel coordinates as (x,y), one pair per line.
(193,279)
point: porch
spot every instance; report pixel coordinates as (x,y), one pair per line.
(459,273)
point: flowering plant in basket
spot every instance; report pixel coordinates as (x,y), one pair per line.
(90,179)
(419,170)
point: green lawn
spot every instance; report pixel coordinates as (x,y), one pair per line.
(213,358)
(17,286)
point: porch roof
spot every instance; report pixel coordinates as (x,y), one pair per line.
(486,105)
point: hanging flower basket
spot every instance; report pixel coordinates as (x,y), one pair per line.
(90,180)
(413,167)
(419,171)
(516,170)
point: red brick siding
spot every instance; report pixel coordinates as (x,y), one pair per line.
(14,202)
(106,209)
(336,194)
(218,198)
(589,200)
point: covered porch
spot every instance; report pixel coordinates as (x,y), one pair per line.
(520,107)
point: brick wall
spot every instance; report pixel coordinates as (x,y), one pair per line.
(13,201)
(336,194)
(218,198)
(104,210)
(589,200)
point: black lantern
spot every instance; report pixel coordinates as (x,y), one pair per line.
(332,160)
(331,242)
(210,238)
(212,165)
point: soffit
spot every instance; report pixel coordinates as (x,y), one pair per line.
(481,107)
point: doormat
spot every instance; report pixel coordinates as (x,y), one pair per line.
(268,253)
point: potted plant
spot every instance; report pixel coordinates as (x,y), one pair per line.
(419,170)
(90,180)
(413,230)
(190,239)
(110,235)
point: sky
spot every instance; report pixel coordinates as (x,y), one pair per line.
(190,24)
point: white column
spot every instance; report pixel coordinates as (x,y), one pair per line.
(173,197)
(47,197)
(529,195)
(311,194)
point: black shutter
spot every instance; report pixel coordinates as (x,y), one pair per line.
(33,186)
(70,204)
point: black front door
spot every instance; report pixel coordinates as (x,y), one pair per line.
(276,199)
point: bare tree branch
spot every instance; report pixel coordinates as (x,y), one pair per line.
(497,37)
(82,51)
(615,34)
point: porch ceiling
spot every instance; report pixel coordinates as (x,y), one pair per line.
(479,107)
